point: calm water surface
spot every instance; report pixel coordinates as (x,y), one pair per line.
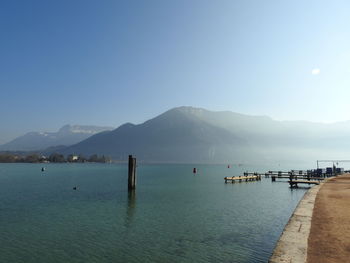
(174,216)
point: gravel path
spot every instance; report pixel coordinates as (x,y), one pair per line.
(329,239)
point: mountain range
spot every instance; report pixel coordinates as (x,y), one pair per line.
(177,135)
(188,135)
(195,135)
(65,136)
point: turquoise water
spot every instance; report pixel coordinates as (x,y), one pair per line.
(174,216)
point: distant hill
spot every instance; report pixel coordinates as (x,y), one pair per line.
(174,136)
(67,135)
(189,135)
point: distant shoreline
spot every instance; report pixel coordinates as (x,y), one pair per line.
(52,158)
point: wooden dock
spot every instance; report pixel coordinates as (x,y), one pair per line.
(296,177)
(250,173)
(245,178)
(294,183)
(280,174)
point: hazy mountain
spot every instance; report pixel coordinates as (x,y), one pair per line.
(67,135)
(187,134)
(174,136)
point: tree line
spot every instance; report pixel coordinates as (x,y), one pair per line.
(52,158)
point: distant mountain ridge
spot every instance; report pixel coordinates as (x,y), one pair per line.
(65,136)
(173,136)
(195,135)
(189,135)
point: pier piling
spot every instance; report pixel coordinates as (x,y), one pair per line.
(132,173)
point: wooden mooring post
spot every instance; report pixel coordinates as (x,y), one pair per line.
(132,173)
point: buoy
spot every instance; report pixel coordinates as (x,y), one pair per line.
(42,169)
(228,166)
(74,188)
(194,170)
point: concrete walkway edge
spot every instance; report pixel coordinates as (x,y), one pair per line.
(292,245)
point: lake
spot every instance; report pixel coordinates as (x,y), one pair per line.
(173,216)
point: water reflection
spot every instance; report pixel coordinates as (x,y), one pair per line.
(299,188)
(130,210)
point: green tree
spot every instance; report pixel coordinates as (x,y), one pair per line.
(32,158)
(93,158)
(56,158)
(8,158)
(81,159)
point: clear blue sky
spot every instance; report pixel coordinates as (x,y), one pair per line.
(110,62)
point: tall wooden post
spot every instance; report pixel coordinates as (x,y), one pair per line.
(291,179)
(132,173)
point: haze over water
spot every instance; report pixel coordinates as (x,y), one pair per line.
(174,215)
(120,64)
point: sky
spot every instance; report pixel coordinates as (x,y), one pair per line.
(111,62)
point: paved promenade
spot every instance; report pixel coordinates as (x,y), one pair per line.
(329,238)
